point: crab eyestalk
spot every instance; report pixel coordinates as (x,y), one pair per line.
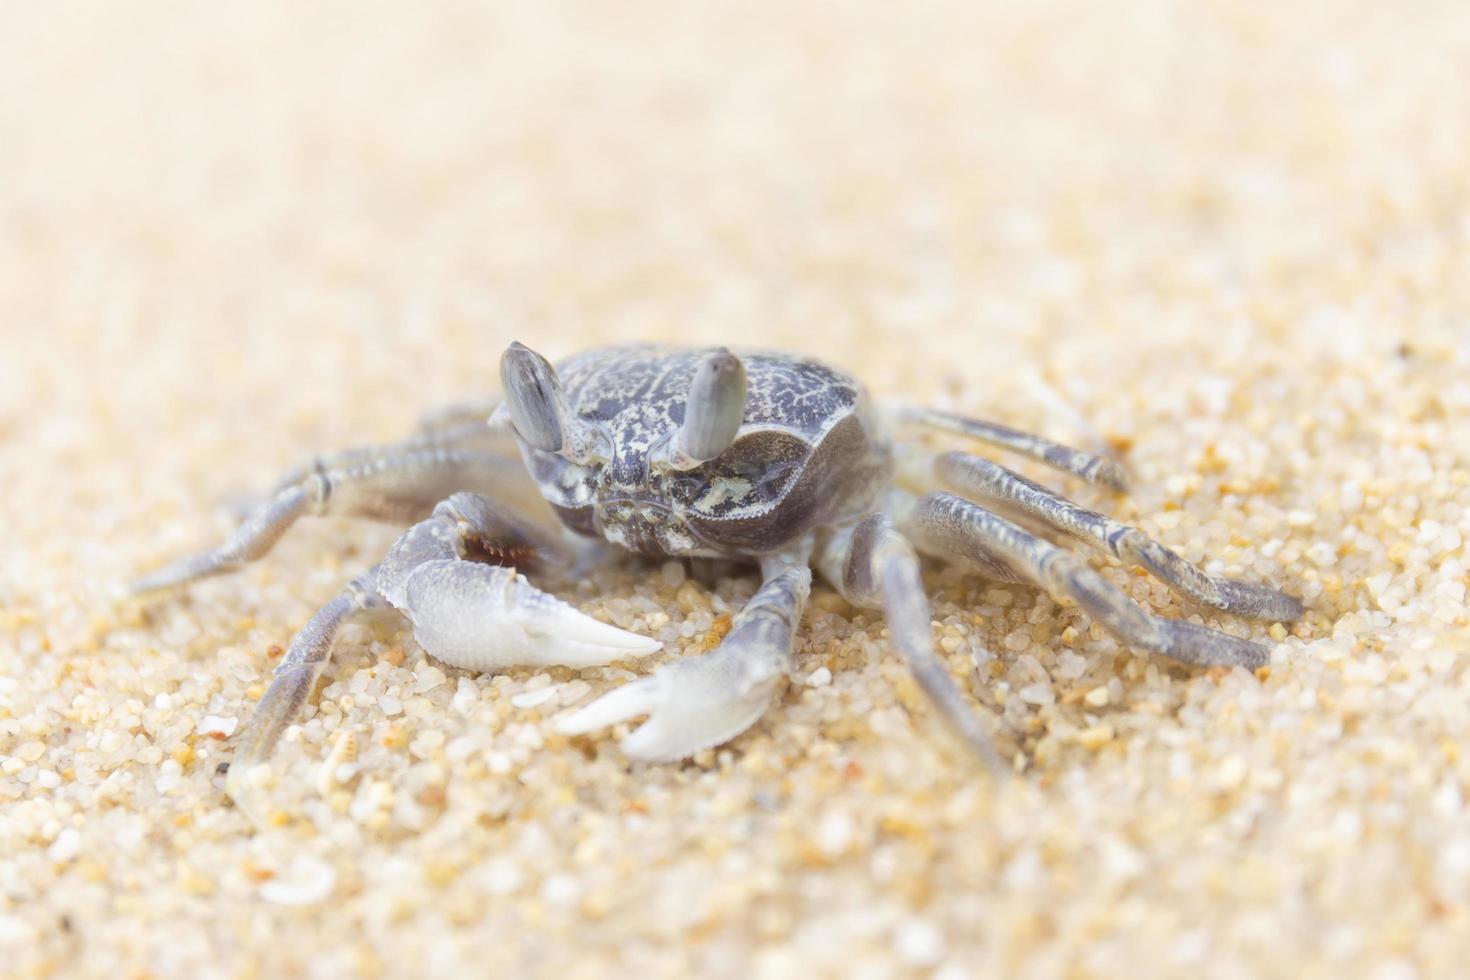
(538,408)
(712,412)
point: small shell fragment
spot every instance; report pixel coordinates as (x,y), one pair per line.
(219,726)
(309,881)
(530,699)
(338,767)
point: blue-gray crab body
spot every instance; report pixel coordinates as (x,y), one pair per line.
(809,452)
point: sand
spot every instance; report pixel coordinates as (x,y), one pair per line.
(1229,240)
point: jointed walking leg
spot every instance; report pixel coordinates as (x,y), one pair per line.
(974,475)
(957,526)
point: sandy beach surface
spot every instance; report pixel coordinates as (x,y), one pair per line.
(1229,241)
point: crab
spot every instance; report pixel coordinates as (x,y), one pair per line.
(772,459)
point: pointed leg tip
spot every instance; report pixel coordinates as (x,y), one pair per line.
(173,576)
(118,591)
(1112,475)
(1260,601)
(1256,657)
(243,785)
(1201,646)
(141,587)
(970,736)
(1246,653)
(1289,608)
(1292,609)
(987,757)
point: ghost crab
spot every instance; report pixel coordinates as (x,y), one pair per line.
(770,458)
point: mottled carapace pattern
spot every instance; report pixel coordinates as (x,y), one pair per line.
(809,452)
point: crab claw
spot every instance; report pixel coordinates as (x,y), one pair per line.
(484,617)
(699,702)
(691,705)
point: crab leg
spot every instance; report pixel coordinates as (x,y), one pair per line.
(957,527)
(698,702)
(399,482)
(974,475)
(464,613)
(291,685)
(445,429)
(871,564)
(1094,469)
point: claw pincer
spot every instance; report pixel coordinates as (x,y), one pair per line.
(488,617)
(698,702)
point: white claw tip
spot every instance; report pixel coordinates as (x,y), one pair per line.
(582,628)
(484,617)
(632,699)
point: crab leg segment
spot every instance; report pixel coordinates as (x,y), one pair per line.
(973,475)
(871,564)
(1093,469)
(955,526)
(291,685)
(712,413)
(400,481)
(257,535)
(699,702)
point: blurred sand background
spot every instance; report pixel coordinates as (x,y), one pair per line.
(1230,239)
